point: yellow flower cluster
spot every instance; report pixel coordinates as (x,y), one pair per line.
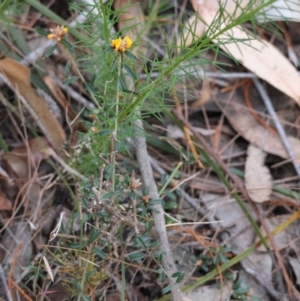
(57,33)
(121,45)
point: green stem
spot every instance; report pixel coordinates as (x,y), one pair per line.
(82,283)
(3,6)
(115,134)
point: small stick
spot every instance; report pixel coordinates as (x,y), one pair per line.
(278,125)
(157,211)
(4,284)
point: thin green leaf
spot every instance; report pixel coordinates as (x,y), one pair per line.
(154,244)
(100,253)
(130,72)
(179,276)
(42,32)
(67,69)
(139,240)
(90,88)
(166,289)
(131,56)
(76,245)
(122,85)
(130,92)
(95,233)
(170,205)
(50,50)
(105,132)
(148,226)
(137,256)
(242,290)
(67,45)
(70,80)
(162,277)
(113,65)
(155,201)
(170,195)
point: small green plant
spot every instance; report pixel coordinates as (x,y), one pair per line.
(242,292)
(214,257)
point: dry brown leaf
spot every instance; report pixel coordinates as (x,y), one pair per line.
(59,95)
(205,95)
(5,203)
(63,101)
(17,243)
(209,292)
(16,166)
(259,56)
(258,181)
(16,161)
(244,123)
(18,77)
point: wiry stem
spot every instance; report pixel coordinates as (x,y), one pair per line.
(157,209)
(114,136)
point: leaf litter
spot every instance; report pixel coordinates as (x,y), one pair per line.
(30,185)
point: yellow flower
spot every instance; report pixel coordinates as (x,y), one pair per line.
(121,45)
(57,33)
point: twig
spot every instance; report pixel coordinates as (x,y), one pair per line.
(76,96)
(278,125)
(31,57)
(257,117)
(4,284)
(115,133)
(200,73)
(157,211)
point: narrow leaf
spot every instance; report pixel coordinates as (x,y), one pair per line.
(50,50)
(166,289)
(137,256)
(113,65)
(100,253)
(49,271)
(130,72)
(122,85)
(131,56)
(42,32)
(70,80)
(67,69)
(95,233)
(140,242)
(68,45)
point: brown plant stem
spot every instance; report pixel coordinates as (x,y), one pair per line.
(157,211)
